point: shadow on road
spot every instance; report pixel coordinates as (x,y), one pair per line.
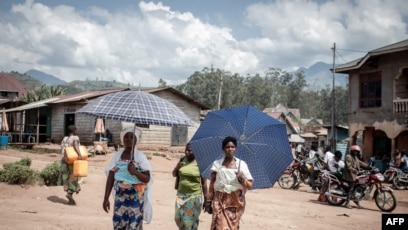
(56,199)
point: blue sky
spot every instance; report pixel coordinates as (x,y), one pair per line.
(139,42)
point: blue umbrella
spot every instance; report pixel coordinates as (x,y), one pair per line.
(262,142)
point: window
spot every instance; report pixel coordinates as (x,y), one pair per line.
(143,126)
(370,90)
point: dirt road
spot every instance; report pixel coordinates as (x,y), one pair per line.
(41,207)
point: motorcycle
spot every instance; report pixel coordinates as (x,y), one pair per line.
(396,177)
(299,172)
(365,182)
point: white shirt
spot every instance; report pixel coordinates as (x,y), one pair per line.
(327,157)
(299,148)
(332,165)
(226,180)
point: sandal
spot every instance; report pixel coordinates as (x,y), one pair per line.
(71,200)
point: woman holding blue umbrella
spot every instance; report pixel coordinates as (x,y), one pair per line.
(230,178)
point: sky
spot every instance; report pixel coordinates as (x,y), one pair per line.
(141,42)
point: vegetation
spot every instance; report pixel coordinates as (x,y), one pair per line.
(276,86)
(267,90)
(43,92)
(18,172)
(50,173)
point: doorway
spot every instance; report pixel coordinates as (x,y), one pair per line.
(69,119)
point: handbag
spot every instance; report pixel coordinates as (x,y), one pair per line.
(70,155)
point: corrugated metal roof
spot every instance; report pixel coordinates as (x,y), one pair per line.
(64,99)
(33,105)
(85,95)
(356,64)
(8,83)
(187,98)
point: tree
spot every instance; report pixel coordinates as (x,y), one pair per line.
(43,92)
(162,83)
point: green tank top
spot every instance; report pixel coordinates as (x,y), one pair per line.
(190,178)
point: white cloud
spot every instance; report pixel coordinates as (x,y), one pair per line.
(154,41)
(303,31)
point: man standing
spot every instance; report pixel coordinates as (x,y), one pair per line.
(328,156)
(299,150)
(352,167)
(314,159)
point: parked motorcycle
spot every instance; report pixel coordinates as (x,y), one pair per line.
(366,181)
(298,172)
(400,181)
(397,177)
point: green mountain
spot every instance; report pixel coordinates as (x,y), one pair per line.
(71,87)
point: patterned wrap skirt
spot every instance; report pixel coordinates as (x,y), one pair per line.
(128,207)
(187,211)
(227,210)
(70,183)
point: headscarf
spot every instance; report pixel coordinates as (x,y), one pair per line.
(135,130)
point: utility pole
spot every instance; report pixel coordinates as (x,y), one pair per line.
(219,92)
(333,125)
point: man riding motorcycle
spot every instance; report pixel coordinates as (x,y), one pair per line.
(352,167)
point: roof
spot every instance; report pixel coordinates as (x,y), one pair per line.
(8,83)
(280,108)
(295,138)
(64,98)
(356,64)
(308,135)
(286,119)
(85,95)
(337,126)
(178,93)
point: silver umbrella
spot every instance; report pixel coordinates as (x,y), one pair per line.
(137,107)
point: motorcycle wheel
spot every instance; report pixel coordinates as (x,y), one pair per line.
(333,200)
(399,185)
(286,181)
(385,201)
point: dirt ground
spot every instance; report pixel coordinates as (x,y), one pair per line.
(42,207)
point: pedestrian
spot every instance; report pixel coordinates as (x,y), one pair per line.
(315,160)
(404,161)
(71,183)
(230,178)
(351,168)
(190,186)
(129,175)
(300,151)
(327,156)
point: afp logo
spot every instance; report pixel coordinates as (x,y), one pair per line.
(394,221)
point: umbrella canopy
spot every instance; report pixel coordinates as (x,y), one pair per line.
(137,107)
(4,124)
(262,142)
(99,126)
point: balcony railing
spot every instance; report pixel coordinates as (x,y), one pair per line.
(401,106)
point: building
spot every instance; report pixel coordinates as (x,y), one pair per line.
(378,99)
(47,120)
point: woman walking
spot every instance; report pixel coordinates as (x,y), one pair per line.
(189,188)
(230,178)
(70,183)
(129,174)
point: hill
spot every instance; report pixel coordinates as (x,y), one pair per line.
(319,76)
(47,79)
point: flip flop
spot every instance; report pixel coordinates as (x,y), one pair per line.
(71,200)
